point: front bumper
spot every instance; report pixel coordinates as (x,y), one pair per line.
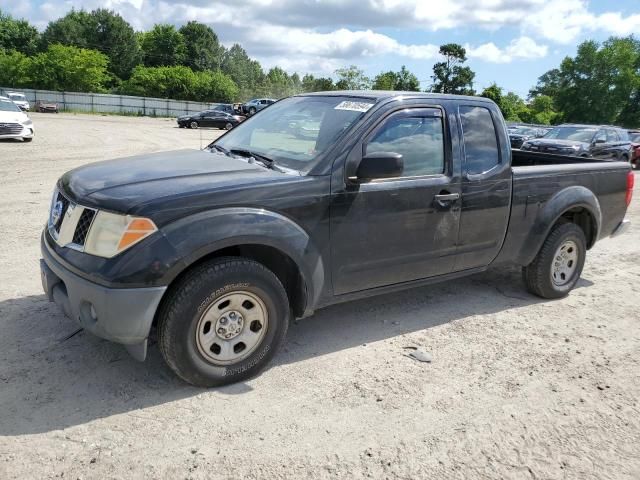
(26,132)
(121,315)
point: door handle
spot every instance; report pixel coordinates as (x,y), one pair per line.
(447,197)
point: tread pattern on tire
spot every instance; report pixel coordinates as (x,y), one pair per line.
(536,274)
(181,293)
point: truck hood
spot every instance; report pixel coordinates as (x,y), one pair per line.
(164,180)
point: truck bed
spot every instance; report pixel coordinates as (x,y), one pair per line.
(538,178)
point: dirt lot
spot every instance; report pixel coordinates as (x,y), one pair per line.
(518,387)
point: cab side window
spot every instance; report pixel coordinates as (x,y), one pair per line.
(480,140)
(418,137)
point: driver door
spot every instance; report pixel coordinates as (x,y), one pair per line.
(396,230)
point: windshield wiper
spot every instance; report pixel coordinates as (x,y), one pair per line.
(266,161)
(219,148)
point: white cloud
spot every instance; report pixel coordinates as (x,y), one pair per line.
(322,34)
(519,49)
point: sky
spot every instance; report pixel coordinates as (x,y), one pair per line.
(510,42)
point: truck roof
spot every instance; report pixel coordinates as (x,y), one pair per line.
(379,95)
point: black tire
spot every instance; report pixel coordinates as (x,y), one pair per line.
(538,274)
(252,111)
(194,124)
(27,139)
(228,126)
(195,293)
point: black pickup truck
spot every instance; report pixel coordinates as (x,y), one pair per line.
(221,248)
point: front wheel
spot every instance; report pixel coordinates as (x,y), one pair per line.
(228,126)
(252,110)
(193,125)
(223,322)
(558,266)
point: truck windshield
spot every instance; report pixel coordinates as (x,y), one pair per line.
(297,131)
(579,134)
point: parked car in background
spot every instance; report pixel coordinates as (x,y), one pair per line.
(257,104)
(43,106)
(521,133)
(595,141)
(231,108)
(210,118)
(20,100)
(14,123)
(634,136)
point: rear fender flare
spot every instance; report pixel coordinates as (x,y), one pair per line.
(550,213)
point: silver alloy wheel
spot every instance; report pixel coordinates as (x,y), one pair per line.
(228,126)
(232,328)
(565,263)
(193,124)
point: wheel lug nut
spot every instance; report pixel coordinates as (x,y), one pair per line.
(221,331)
(223,320)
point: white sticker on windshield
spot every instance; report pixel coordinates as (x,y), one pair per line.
(353,106)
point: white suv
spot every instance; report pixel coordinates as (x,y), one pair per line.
(14,123)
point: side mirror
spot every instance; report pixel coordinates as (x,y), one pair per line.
(379,165)
(600,140)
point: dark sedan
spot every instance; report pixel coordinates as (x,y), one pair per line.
(210,118)
(584,141)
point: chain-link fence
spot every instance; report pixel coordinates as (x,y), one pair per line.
(104,103)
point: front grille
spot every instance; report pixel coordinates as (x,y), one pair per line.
(65,205)
(82,228)
(10,128)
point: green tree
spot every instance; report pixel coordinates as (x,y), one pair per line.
(245,72)
(514,109)
(14,69)
(163,46)
(494,92)
(279,83)
(17,35)
(68,30)
(203,50)
(450,76)
(103,30)
(598,85)
(181,83)
(109,33)
(352,78)
(385,81)
(69,68)
(407,81)
(313,84)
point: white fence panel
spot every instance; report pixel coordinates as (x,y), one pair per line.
(105,103)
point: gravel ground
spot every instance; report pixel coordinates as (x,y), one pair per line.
(518,387)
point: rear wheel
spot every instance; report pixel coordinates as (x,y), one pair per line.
(558,266)
(223,322)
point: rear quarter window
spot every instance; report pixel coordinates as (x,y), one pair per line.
(479,139)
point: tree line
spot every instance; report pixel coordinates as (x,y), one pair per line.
(99,51)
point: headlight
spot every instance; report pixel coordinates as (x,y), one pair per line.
(111,233)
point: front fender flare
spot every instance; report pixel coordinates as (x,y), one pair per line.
(563,201)
(204,233)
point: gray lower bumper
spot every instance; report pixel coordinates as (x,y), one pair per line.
(622,227)
(119,315)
